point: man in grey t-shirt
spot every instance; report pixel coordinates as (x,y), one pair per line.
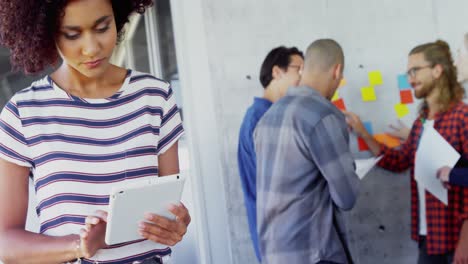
(305,171)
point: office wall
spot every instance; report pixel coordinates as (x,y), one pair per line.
(375,35)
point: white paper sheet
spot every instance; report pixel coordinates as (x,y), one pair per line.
(433,153)
(363,166)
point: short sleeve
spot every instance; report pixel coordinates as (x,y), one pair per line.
(171,128)
(13,144)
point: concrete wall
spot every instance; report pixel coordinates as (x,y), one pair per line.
(376,35)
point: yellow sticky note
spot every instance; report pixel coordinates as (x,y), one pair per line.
(368,94)
(336,96)
(401,110)
(375,78)
(342,83)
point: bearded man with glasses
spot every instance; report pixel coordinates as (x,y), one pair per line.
(441,230)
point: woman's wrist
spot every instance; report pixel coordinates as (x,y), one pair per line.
(76,252)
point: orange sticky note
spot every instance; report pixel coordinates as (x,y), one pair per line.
(406,97)
(387,140)
(340,104)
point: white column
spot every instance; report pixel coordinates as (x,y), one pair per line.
(202,132)
(152,33)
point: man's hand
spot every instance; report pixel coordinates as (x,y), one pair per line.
(355,123)
(164,231)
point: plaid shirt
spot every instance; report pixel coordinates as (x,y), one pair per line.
(443,222)
(305,180)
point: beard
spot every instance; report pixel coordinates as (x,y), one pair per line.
(425,90)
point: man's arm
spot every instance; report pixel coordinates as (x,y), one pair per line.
(328,146)
(355,123)
(396,160)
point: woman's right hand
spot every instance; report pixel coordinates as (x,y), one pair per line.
(92,237)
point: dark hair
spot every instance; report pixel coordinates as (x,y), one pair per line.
(438,53)
(29,28)
(281,57)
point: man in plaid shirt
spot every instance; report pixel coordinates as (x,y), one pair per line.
(305,171)
(442,231)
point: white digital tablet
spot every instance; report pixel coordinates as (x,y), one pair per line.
(129,203)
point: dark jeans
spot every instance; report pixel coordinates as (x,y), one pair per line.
(424,258)
(327,262)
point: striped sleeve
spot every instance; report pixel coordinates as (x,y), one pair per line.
(13,144)
(171,128)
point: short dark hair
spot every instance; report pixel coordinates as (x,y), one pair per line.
(29,29)
(323,54)
(281,57)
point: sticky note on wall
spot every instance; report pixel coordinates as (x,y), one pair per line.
(336,96)
(342,83)
(406,97)
(340,104)
(401,110)
(362,145)
(387,140)
(375,78)
(368,94)
(403,82)
(368,126)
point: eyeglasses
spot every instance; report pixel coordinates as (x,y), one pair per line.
(413,71)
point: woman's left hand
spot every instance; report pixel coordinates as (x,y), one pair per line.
(165,231)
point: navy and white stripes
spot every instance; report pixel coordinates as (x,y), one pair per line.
(79,148)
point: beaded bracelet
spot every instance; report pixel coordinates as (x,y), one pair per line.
(78,250)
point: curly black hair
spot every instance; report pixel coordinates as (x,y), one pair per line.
(29,28)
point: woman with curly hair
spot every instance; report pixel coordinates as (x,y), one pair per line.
(80,131)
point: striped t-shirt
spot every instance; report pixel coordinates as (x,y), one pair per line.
(78,149)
